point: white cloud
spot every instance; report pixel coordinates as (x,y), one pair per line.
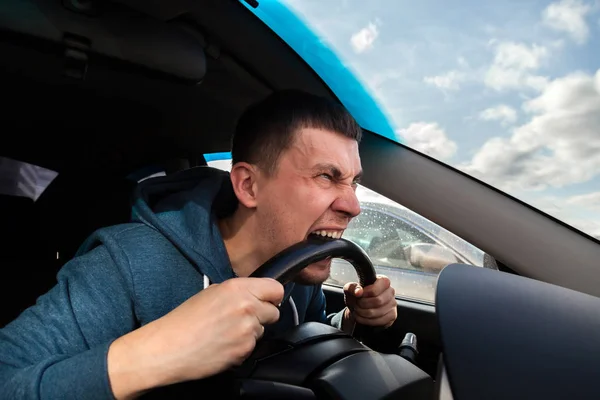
(514,66)
(462,62)
(568,16)
(383,78)
(363,40)
(503,113)
(451,80)
(581,212)
(428,138)
(590,200)
(559,146)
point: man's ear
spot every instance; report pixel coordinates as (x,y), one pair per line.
(244,180)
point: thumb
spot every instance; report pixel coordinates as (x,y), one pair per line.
(353,289)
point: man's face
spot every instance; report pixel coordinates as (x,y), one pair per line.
(311,192)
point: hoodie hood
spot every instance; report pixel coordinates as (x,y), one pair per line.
(184,208)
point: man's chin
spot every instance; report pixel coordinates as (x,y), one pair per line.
(314,274)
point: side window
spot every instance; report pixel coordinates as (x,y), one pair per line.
(384,236)
(21,179)
(406,247)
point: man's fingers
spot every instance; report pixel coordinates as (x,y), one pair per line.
(353,289)
(371,313)
(381,285)
(376,305)
(260,331)
(349,287)
(387,297)
(264,289)
(379,320)
(267,313)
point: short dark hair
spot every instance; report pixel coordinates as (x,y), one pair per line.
(268,127)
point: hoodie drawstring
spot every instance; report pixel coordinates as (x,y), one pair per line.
(294,311)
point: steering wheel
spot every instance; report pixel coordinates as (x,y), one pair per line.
(315,360)
(284,266)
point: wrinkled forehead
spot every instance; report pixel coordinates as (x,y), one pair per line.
(317,146)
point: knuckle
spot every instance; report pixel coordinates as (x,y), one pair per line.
(379,301)
(246,331)
(229,283)
(231,286)
(246,307)
(247,328)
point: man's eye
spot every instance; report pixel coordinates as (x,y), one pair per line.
(326,176)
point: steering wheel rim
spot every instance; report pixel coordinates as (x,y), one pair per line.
(289,262)
(284,266)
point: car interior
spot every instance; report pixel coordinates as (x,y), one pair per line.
(108,92)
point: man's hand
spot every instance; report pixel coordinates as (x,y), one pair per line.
(374,305)
(207,334)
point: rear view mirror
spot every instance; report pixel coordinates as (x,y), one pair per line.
(429,257)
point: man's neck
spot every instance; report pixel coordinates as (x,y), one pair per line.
(241,244)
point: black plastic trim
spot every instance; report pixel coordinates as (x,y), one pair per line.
(510,337)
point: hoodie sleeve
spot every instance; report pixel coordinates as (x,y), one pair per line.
(57,348)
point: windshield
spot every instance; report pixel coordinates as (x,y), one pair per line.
(508,92)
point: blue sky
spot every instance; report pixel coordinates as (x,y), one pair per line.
(506,91)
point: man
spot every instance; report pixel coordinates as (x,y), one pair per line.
(152,302)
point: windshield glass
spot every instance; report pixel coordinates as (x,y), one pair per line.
(508,92)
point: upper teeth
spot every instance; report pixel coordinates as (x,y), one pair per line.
(331,234)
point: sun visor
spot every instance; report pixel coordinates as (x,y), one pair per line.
(111,31)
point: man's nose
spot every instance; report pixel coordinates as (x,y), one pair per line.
(347,203)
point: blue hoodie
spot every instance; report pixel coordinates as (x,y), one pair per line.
(126,276)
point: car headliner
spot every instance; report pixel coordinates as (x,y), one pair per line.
(122,116)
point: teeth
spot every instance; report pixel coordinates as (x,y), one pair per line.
(331,234)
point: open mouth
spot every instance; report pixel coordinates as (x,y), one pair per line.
(333,234)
